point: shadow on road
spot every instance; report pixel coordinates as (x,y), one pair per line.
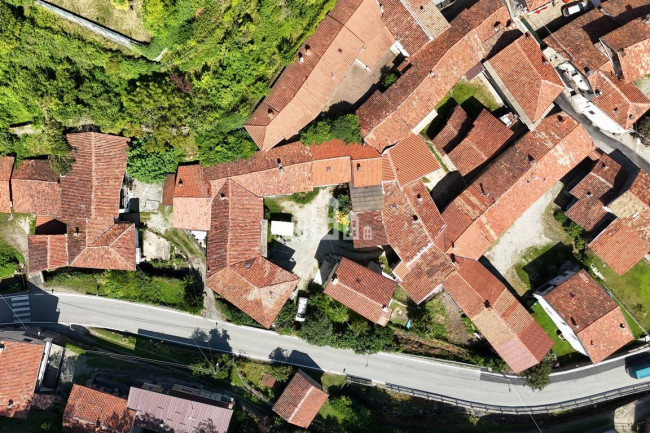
(296,358)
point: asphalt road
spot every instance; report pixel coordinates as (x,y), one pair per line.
(448,379)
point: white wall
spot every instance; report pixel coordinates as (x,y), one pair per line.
(566,330)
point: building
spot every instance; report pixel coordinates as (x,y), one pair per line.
(6,167)
(35,188)
(526,79)
(499,317)
(362,290)
(92,237)
(511,184)
(627,239)
(588,317)
(453,131)
(89,411)
(23,367)
(301,400)
(628,49)
(182,410)
(594,192)
(487,136)
(410,160)
(192,198)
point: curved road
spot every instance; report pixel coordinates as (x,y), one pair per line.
(447,379)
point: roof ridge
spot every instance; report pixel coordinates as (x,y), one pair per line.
(302,400)
(362,294)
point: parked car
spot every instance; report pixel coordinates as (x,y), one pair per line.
(575,8)
(638,366)
(302,309)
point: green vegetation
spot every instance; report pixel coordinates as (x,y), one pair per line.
(36,422)
(344,128)
(537,377)
(235,315)
(643,128)
(429,320)
(183,293)
(561,348)
(304,197)
(151,166)
(221,58)
(387,80)
(10,260)
(539,264)
(467,94)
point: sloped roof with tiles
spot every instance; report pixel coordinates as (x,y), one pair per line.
(192,197)
(89,410)
(47,252)
(528,76)
(631,43)
(595,191)
(497,314)
(301,400)
(367,172)
(623,102)
(593,315)
(411,159)
(487,136)
(620,246)
(367,229)
(364,291)
(20,363)
(413,22)
(6,166)
(35,188)
(425,275)
(453,131)
(418,197)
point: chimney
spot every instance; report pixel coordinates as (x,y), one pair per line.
(270,113)
(308,50)
(415,218)
(497,26)
(419,197)
(486,304)
(301,59)
(335,279)
(180,183)
(2,346)
(222,196)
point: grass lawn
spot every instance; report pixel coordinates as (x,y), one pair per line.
(562,349)
(114,14)
(400,314)
(539,264)
(184,241)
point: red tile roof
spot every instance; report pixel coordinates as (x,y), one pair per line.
(620,246)
(419,198)
(35,188)
(47,252)
(301,400)
(89,410)
(622,102)
(362,290)
(411,159)
(426,274)
(497,314)
(168,190)
(192,198)
(595,318)
(407,28)
(517,179)
(191,182)
(528,76)
(367,172)
(487,136)
(453,131)
(367,229)
(631,47)
(6,166)
(114,249)
(20,366)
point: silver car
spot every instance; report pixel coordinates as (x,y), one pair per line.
(302,309)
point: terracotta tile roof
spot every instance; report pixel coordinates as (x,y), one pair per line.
(339,148)
(305,87)
(367,198)
(631,47)
(334,161)
(301,400)
(89,410)
(6,166)
(168,190)
(411,159)
(487,136)
(595,318)
(47,252)
(257,287)
(367,229)
(367,172)
(192,198)
(623,102)
(413,27)
(528,76)
(419,198)
(426,274)
(456,222)
(520,176)
(404,230)
(20,366)
(620,246)
(114,249)
(594,191)
(35,188)
(453,131)
(191,182)
(364,291)
(428,16)
(497,314)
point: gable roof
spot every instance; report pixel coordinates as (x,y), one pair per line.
(35,188)
(89,410)
(453,131)
(176,414)
(301,400)
(631,45)
(528,76)
(47,252)
(425,275)
(6,167)
(411,159)
(413,27)
(20,367)
(192,198)
(364,291)
(497,314)
(487,136)
(367,228)
(621,101)
(595,318)
(620,246)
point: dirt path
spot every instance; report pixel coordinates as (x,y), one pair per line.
(457,330)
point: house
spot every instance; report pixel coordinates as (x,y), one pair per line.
(595,191)
(511,184)
(626,240)
(526,79)
(90,198)
(487,136)
(362,290)
(301,400)
(192,198)
(89,410)
(408,106)
(35,188)
(628,49)
(6,167)
(23,367)
(453,130)
(499,317)
(586,315)
(410,160)
(589,67)
(367,229)
(182,410)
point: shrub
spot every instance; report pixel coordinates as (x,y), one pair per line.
(304,197)
(344,128)
(10,260)
(388,80)
(284,323)
(317,329)
(150,166)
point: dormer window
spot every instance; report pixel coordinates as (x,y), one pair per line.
(415,218)
(308,50)
(328,169)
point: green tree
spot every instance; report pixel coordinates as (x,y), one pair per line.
(150,166)
(317,329)
(537,377)
(220,367)
(344,128)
